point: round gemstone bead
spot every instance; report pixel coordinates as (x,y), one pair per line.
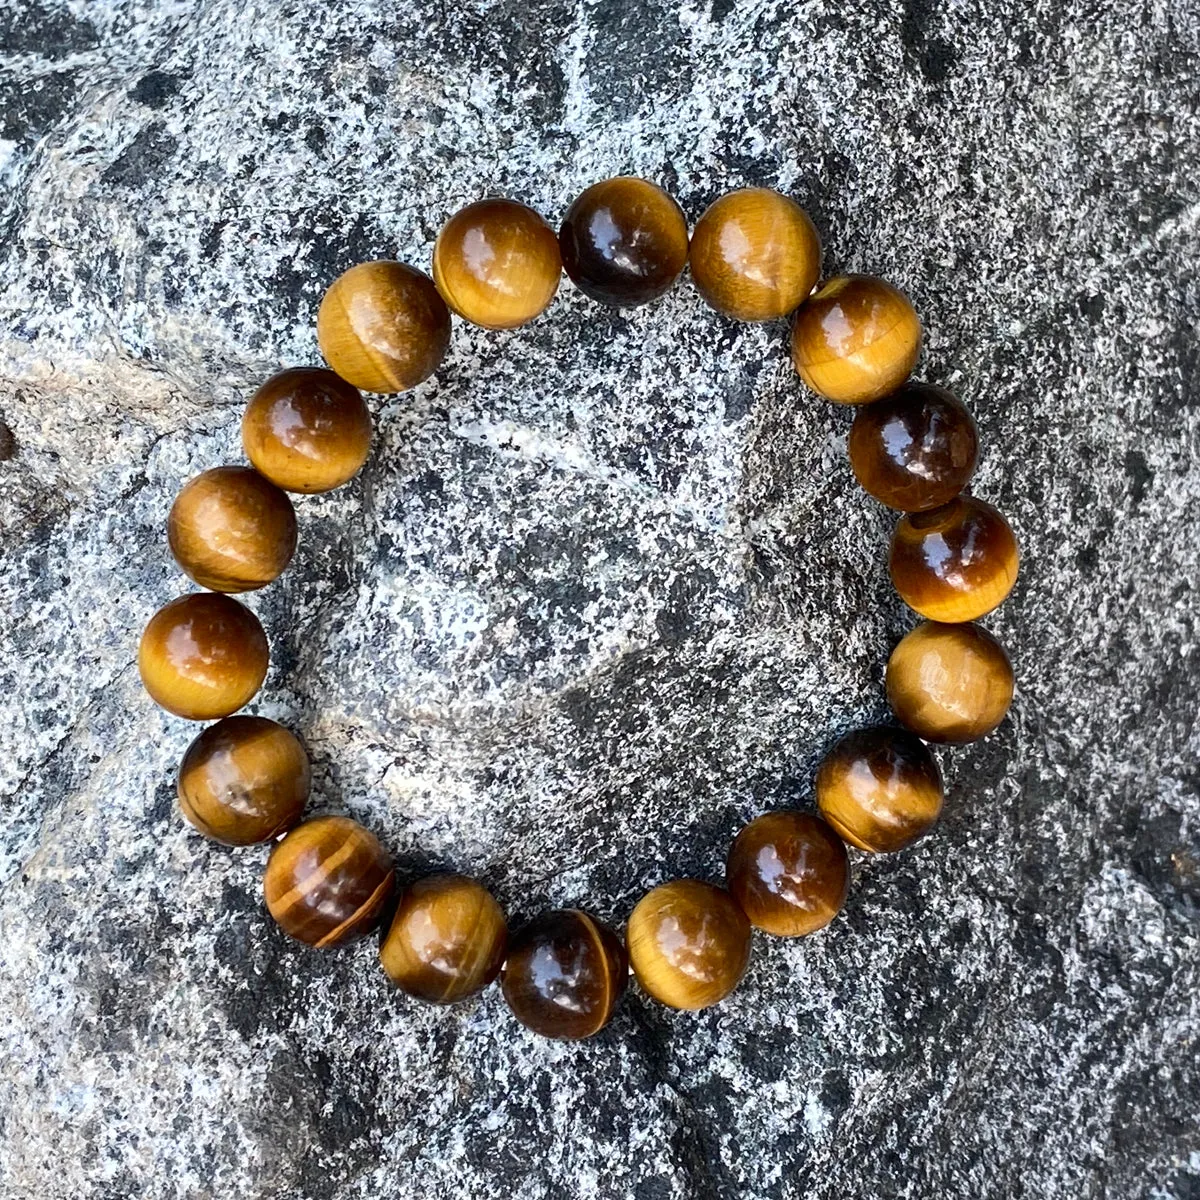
(232,530)
(497,264)
(880,789)
(624,241)
(383,327)
(856,339)
(203,656)
(949,683)
(307,430)
(755,255)
(327,882)
(565,973)
(689,943)
(446,941)
(915,449)
(244,780)
(789,873)
(954,563)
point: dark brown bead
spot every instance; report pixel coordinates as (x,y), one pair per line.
(689,943)
(949,683)
(564,975)
(624,241)
(915,449)
(307,430)
(203,656)
(446,941)
(244,780)
(789,873)
(954,563)
(232,530)
(327,882)
(880,789)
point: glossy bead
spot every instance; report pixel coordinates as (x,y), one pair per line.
(446,941)
(789,873)
(954,563)
(755,255)
(624,241)
(203,656)
(915,449)
(244,780)
(327,882)
(880,789)
(232,530)
(949,683)
(383,327)
(564,975)
(689,943)
(307,430)
(497,263)
(856,339)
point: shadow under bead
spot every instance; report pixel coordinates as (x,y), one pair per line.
(327,882)
(383,327)
(564,974)
(307,430)
(244,780)
(954,563)
(880,789)
(689,943)
(497,263)
(755,255)
(789,873)
(446,941)
(856,339)
(203,656)
(232,530)
(949,683)
(915,449)
(624,241)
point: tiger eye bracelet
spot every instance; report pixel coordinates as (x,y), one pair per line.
(384,327)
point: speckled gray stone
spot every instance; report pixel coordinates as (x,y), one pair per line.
(605,589)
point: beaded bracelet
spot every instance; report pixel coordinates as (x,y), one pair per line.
(384,327)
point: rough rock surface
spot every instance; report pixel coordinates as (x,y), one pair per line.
(605,590)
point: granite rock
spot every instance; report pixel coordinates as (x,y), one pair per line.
(605,590)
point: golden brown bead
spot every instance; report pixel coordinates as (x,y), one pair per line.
(327,882)
(954,563)
(880,789)
(497,263)
(789,873)
(915,449)
(755,255)
(383,327)
(949,683)
(446,941)
(244,780)
(689,943)
(564,975)
(232,530)
(856,339)
(203,656)
(624,241)
(307,430)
